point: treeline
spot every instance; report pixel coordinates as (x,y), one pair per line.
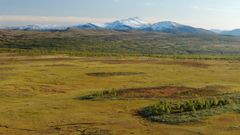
(92,54)
(104,43)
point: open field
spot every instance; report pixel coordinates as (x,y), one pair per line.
(40,95)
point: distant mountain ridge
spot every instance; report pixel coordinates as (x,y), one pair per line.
(129,24)
(235,32)
(37,27)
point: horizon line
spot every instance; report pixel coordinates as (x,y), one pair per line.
(13,20)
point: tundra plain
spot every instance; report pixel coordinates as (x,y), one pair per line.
(41,95)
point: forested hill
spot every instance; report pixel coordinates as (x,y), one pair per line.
(117,42)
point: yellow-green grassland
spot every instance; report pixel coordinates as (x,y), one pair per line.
(41,95)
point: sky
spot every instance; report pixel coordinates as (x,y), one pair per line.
(209,14)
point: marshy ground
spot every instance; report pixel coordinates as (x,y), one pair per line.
(39,95)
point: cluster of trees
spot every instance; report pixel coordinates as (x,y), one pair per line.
(187,106)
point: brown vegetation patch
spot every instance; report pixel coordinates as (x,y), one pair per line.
(156,92)
(202,92)
(192,63)
(80,128)
(6,60)
(45,89)
(109,74)
(169,92)
(4,63)
(60,65)
(153,92)
(6,68)
(47,59)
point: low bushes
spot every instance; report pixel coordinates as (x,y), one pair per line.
(190,110)
(101,95)
(187,106)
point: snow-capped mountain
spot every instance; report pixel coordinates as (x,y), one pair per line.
(160,26)
(134,23)
(173,27)
(87,26)
(125,24)
(117,25)
(37,27)
(166,25)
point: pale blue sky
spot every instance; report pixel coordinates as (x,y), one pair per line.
(222,14)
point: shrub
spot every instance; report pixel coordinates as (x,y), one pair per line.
(187,106)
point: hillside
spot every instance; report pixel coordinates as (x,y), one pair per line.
(118,42)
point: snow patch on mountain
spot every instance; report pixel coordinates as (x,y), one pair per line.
(133,22)
(165,25)
(126,24)
(37,27)
(87,26)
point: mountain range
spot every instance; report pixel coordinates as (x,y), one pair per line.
(138,24)
(37,27)
(134,23)
(235,32)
